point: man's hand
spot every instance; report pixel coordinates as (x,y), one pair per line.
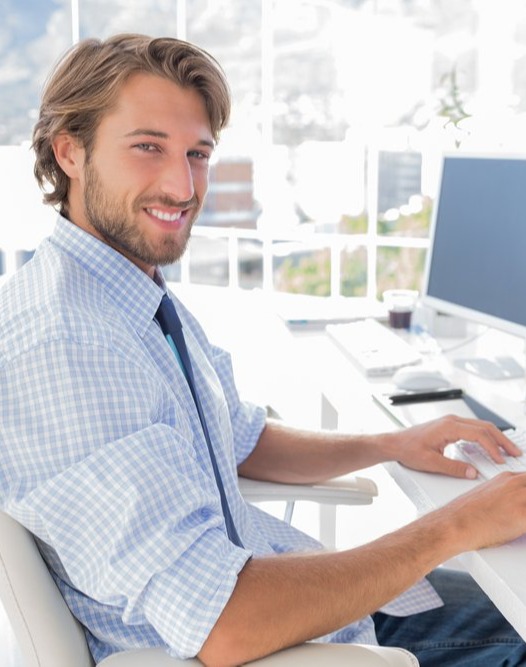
(422,447)
(490,514)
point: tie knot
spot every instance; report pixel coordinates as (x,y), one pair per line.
(167,316)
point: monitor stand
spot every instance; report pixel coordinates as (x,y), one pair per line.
(498,368)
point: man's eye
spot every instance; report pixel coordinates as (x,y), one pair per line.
(199,155)
(147,148)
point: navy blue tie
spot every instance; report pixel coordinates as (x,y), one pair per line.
(172,328)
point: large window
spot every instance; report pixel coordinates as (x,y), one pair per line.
(325,179)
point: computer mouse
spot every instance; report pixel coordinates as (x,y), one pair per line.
(419,379)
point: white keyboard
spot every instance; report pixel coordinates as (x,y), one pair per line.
(471,452)
(374,348)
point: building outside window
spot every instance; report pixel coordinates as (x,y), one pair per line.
(324,182)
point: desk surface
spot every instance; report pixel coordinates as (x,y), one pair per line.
(314,366)
(501,572)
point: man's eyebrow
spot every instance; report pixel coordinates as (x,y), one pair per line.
(157,134)
(151,133)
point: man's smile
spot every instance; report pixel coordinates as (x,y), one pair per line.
(165,216)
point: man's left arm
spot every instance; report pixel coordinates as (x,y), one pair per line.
(294,456)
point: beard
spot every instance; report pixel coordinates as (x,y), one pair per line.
(111,219)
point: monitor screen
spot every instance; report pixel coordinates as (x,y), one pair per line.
(476,264)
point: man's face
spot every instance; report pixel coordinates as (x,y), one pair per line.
(142,186)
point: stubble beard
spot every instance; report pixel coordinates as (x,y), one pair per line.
(110,219)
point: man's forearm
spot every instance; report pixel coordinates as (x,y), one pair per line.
(285,600)
(282,601)
(290,455)
(294,456)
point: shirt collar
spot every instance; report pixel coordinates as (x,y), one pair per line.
(138,295)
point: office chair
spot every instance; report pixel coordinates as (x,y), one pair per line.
(338,491)
(49,636)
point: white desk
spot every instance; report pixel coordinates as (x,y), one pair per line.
(501,572)
(294,370)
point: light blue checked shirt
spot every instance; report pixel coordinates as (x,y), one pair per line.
(104,460)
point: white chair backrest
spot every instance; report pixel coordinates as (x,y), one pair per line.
(47,632)
(49,636)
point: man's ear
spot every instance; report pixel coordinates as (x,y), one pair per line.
(69,154)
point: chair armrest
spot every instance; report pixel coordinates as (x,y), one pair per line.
(306,655)
(146,657)
(338,491)
(339,655)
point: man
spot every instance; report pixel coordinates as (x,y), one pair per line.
(128,480)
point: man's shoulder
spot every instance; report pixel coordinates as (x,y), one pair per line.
(47,300)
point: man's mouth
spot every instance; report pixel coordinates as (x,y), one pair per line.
(165,216)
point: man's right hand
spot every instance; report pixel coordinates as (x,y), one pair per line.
(491,514)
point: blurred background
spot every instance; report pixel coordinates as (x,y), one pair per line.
(324,181)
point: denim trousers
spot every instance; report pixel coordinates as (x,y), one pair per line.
(467,631)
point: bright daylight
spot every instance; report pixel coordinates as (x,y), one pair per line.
(263,333)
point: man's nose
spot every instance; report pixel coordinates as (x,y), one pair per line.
(177,179)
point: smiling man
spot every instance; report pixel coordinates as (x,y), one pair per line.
(122,434)
(141,185)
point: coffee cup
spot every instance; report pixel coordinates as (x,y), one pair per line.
(400,305)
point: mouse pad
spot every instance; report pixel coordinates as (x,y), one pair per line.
(409,414)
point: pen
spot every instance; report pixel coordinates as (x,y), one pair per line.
(423,396)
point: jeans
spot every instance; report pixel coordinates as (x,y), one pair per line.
(467,631)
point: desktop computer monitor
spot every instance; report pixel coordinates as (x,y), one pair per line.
(476,264)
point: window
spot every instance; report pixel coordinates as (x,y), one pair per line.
(325,179)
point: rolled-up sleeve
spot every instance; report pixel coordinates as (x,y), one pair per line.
(99,463)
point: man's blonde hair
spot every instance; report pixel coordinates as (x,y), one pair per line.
(86,82)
